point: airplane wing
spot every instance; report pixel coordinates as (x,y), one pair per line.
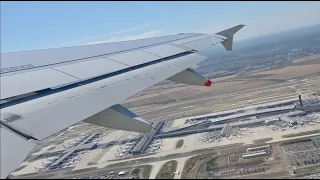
(46,91)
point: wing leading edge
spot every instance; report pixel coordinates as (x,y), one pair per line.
(93,94)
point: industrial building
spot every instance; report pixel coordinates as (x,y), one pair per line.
(221,127)
(138,148)
(277,105)
(254,154)
(270,121)
(214,116)
(295,113)
(258,148)
(145,141)
(288,120)
(81,146)
(70,154)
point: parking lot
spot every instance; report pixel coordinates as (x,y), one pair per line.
(304,153)
(307,157)
(241,171)
(312,176)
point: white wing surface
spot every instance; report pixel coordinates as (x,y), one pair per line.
(46,91)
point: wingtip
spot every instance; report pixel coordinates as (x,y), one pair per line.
(231,31)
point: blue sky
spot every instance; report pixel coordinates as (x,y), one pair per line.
(38,25)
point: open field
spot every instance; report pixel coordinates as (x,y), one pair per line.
(179,143)
(193,163)
(290,72)
(307,58)
(301,134)
(313,61)
(142,172)
(264,140)
(311,169)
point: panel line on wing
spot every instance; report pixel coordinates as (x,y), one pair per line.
(66,73)
(117,61)
(150,53)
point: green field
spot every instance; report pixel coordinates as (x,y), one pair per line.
(179,143)
(261,141)
(167,170)
(311,169)
(142,172)
(190,166)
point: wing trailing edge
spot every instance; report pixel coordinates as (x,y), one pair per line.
(189,76)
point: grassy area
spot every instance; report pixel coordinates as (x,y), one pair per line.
(160,102)
(167,170)
(179,143)
(260,141)
(308,62)
(191,163)
(270,175)
(301,134)
(315,168)
(292,141)
(166,102)
(219,161)
(142,172)
(250,76)
(228,146)
(222,162)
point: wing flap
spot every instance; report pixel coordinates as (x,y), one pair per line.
(189,76)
